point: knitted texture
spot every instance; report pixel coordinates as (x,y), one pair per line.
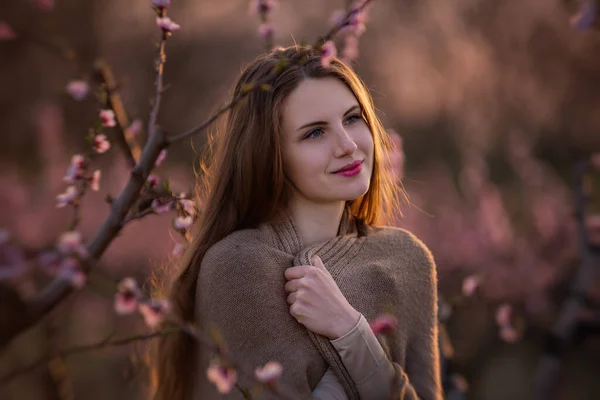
(241,293)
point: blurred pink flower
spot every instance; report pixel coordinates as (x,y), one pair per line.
(384,324)
(592,224)
(350,49)
(166,24)
(126,299)
(182,223)
(177,249)
(45,5)
(70,243)
(595,160)
(67,197)
(95,181)
(266,31)
(101,144)
(6,31)
(135,128)
(262,6)
(78,89)
(328,52)
(161,3)
(337,17)
(70,269)
(153,180)
(75,169)
(509,334)
(223,378)
(161,208)
(469,285)
(188,206)
(503,315)
(269,373)
(154,311)
(161,157)
(108,118)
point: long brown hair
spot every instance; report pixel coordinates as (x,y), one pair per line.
(243,184)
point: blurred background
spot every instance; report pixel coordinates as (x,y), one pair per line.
(495,103)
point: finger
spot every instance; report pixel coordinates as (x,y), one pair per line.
(291,298)
(295,272)
(292,286)
(317,262)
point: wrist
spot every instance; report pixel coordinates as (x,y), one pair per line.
(345,325)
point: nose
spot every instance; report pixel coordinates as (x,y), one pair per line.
(344,144)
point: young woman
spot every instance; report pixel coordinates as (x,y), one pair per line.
(291,258)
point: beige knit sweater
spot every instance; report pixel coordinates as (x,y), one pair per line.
(241,293)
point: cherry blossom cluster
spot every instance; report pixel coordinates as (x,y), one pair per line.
(351,26)
(129,298)
(225,377)
(264,9)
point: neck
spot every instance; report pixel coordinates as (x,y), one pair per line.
(316,223)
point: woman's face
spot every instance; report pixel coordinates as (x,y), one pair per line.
(323,133)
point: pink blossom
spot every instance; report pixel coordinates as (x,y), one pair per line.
(328,53)
(75,169)
(108,118)
(592,224)
(503,315)
(4,237)
(161,3)
(188,206)
(469,285)
(78,89)
(384,324)
(262,6)
(161,208)
(595,160)
(161,157)
(70,243)
(350,50)
(153,180)
(70,269)
(101,144)
(177,249)
(95,181)
(166,24)
(126,299)
(6,31)
(67,197)
(135,128)
(337,17)
(269,373)
(509,334)
(154,311)
(45,5)
(223,378)
(266,31)
(182,223)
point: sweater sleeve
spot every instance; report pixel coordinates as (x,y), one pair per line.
(329,388)
(420,379)
(373,372)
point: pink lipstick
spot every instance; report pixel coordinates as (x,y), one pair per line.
(350,169)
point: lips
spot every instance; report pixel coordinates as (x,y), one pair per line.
(350,166)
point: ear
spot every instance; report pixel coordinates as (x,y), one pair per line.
(317,262)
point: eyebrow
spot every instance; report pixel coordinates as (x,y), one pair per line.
(355,106)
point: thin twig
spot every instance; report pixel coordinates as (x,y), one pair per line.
(125,138)
(82,349)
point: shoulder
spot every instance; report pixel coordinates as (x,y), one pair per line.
(405,248)
(236,254)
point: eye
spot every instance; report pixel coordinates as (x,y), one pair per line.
(315,133)
(353,118)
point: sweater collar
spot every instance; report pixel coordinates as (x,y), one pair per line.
(285,237)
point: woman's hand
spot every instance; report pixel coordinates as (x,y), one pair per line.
(316,301)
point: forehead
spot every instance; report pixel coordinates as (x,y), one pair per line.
(316,100)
